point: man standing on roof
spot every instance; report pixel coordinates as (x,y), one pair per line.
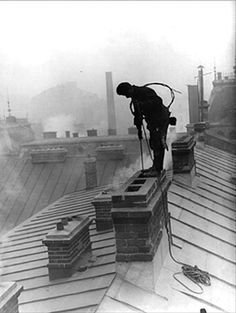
(149,106)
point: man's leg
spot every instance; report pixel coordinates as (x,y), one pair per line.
(158,150)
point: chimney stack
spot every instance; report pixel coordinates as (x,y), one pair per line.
(67,132)
(139,209)
(184,166)
(66,244)
(102,204)
(90,172)
(110,105)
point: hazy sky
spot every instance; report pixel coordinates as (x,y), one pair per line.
(48,42)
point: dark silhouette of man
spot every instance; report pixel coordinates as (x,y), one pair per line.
(149,106)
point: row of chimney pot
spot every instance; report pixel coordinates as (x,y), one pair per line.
(136,212)
(90,133)
(53,134)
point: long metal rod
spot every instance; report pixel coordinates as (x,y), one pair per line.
(141,151)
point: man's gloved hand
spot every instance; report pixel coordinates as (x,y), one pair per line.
(172,120)
(140,134)
(138,121)
(163,140)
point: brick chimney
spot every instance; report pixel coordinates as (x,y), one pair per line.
(138,217)
(138,211)
(184,167)
(102,204)
(66,244)
(90,172)
(9,293)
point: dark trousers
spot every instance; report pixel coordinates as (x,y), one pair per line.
(156,145)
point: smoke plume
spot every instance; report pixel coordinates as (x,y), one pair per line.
(60,123)
(123,174)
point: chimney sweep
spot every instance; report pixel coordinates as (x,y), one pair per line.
(146,104)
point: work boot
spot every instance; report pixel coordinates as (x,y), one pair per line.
(151,173)
(150,169)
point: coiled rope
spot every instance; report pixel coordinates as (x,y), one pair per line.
(172,93)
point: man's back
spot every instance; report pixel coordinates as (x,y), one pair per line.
(151,105)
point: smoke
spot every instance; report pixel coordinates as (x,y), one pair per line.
(60,123)
(171,137)
(123,174)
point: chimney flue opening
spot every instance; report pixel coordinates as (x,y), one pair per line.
(60,226)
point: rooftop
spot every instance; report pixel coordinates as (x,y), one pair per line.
(26,188)
(203,226)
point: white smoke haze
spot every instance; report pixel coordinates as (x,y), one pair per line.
(60,123)
(121,175)
(171,137)
(158,49)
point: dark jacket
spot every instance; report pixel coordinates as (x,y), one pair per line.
(148,105)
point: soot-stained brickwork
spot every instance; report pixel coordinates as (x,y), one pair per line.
(138,217)
(65,246)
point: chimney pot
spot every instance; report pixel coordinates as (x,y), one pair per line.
(64,221)
(60,226)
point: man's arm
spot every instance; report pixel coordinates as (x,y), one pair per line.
(138,118)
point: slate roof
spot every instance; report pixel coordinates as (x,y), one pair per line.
(203,225)
(26,188)
(24,260)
